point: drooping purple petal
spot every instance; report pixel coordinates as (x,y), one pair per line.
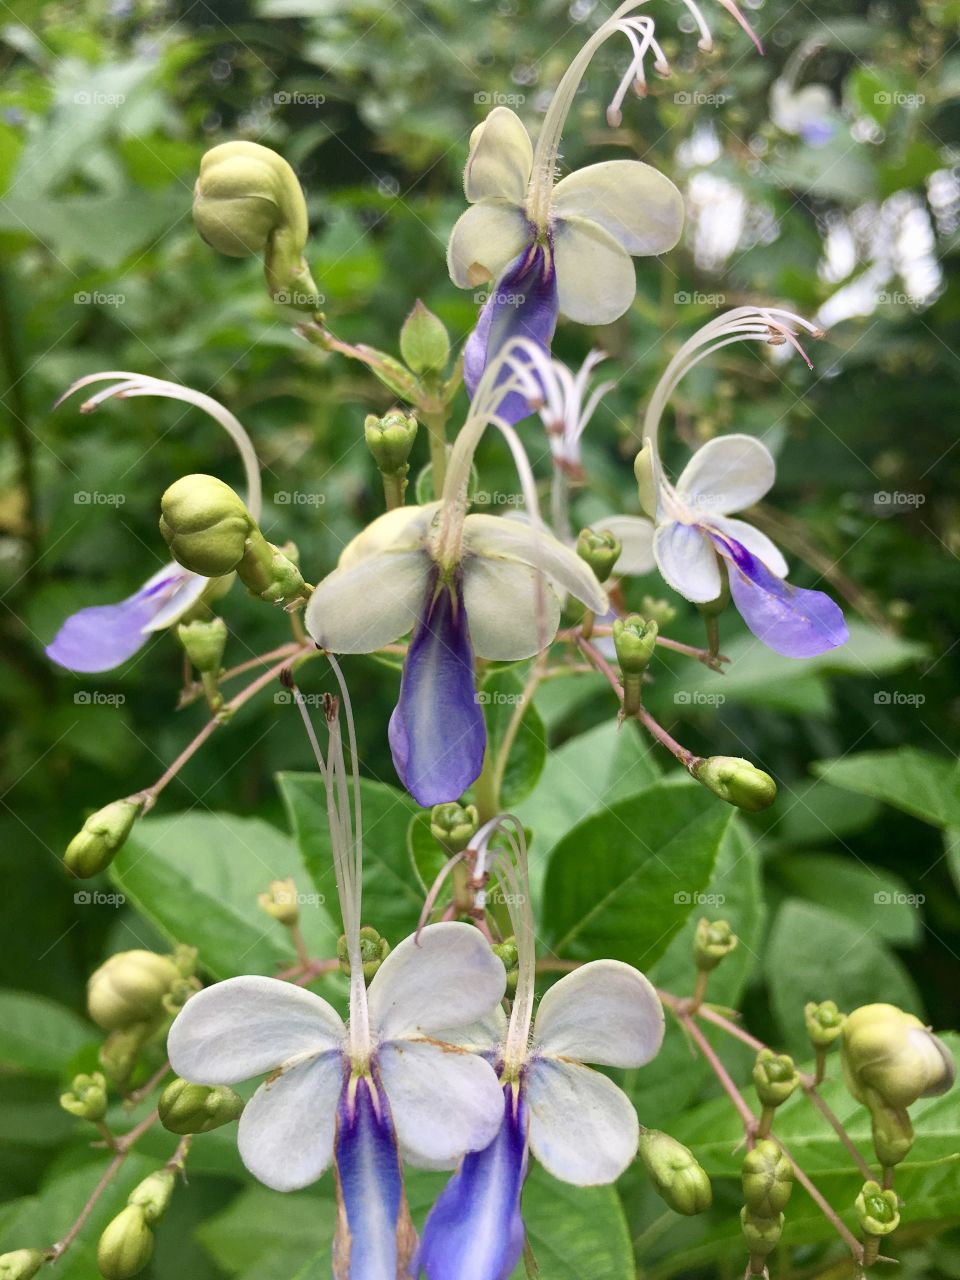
(374,1233)
(790,620)
(475,1231)
(437,732)
(102,636)
(522,304)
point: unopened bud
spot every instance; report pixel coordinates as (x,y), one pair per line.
(713,940)
(600,549)
(738,782)
(373,951)
(21,1264)
(185,958)
(890,1056)
(892,1133)
(153,1194)
(126,1245)
(658,610)
(129,988)
(100,838)
(197,1108)
(118,1053)
(205,524)
(761,1234)
(390,440)
(204,641)
(775,1077)
(643,469)
(767,1179)
(877,1210)
(454,825)
(510,957)
(86,1097)
(280,902)
(675,1172)
(824,1022)
(635,641)
(424,341)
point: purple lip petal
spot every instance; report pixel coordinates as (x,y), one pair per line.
(369,1187)
(522,304)
(475,1231)
(102,636)
(437,732)
(789,620)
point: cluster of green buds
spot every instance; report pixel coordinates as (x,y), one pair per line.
(600,550)
(510,956)
(197,1108)
(210,532)
(677,1175)
(767,1180)
(890,1060)
(635,641)
(824,1025)
(453,825)
(775,1077)
(281,902)
(86,1097)
(204,640)
(878,1212)
(126,1245)
(390,440)
(248,203)
(21,1264)
(737,781)
(712,942)
(373,951)
(101,837)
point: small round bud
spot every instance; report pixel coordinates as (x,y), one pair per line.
(775,1077)
(657,610)
(635,641)
(824,1022)
(878,1210)
(761,1234)
(129,988)
(204,640)
(600,549)
(510,957)
(21,1264)
(205,525)
(373,951)
(126,1245)
(280,902)
(86,1097)
(101,837)
(675,1172)
(713,940)
(738,782)
(454,825)
(424,341)
(767,1179)
(390,440)
(153,1194)
(890,1056)
(197,1108)
(643,469)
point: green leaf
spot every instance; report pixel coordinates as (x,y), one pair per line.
(875,900)
(196,876)
(38,1035)
(812,812)
(916,781)
(502,696)
(575,1231)
(623,882)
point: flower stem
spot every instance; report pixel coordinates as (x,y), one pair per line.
(435,421)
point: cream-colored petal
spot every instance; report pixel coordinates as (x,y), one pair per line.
(583,1129)
(605,1012)
(484,240)
(401,529)
(512,610)
(369,604)
(727,474)
(757,543)
(635,535)
(501,157)
(495,536)
(595,277)
(687,561)
(638,205)
(286,1131)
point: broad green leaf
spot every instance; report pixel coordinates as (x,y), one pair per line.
(502,696)
(816,954)
(916,781)
(196,876)
(37,1035)
(874,899)
(623,882)
(575,1232)
(809,811)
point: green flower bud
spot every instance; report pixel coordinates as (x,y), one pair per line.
(373,951)
(635,641)
(737,781)
(775,1077)
(510,957)
(424,341)
(197,1108)
(878,1210)
(21,1264)
(767,1178)
(600,549)
(643,469)
(152,1195)
(185,958)
(761,1234)
(100,838)
(204,641)
(126,1245)
(390,440)
(892,1132)
(280,902)
(178,995)
(676,1173)
(657,610)
(824,1022)
(891,1057)
(87,1097)
(129,988)
(712,941)
(118,1053)
(454,825)
(205,525)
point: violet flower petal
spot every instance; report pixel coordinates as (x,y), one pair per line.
(369,1184)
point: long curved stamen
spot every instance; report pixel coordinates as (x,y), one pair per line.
(128,385)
